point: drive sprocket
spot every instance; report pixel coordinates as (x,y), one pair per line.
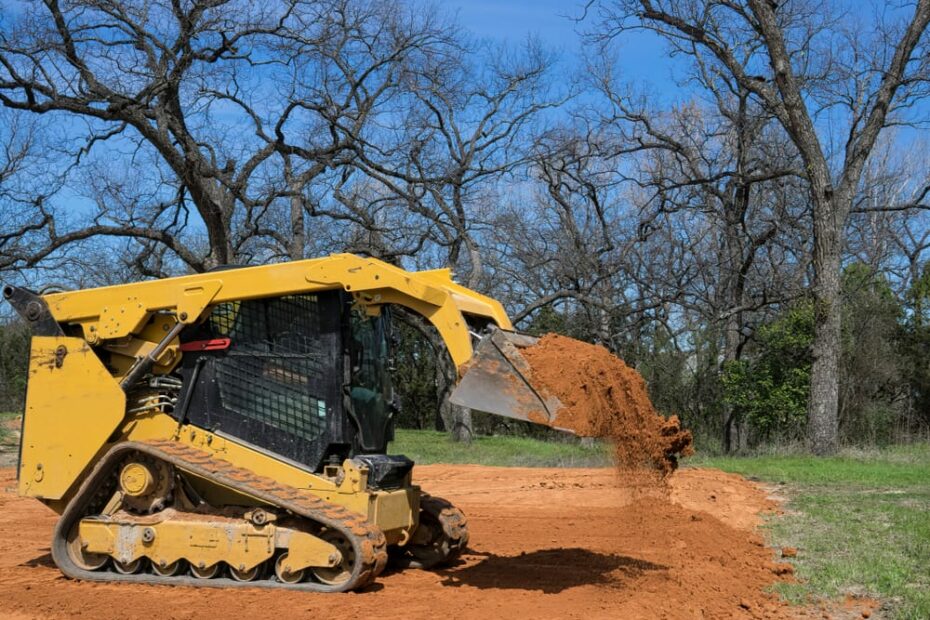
(146,484)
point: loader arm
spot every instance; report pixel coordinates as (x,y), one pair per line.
(91,348)
(115,312)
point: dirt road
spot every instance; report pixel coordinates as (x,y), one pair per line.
(546,543)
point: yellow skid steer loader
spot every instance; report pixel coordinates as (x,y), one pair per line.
(230,428)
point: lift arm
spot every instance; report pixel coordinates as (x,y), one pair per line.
(120,311)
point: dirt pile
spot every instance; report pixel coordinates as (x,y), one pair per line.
(603,397)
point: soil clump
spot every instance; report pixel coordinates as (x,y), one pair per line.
(603,397)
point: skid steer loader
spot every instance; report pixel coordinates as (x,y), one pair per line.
(230,428)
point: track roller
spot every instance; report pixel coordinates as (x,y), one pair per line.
(205,572)
(128,568)
(245,575)
(169,570)
(285,576)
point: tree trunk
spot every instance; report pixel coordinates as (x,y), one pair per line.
(452,418)
(731,343)
(462,429)
(443,415)
(736,265)
(457,420)
(298,241)
(218,222)
(823,426)
(604,331)
(439,424)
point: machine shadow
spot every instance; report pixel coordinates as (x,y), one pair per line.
(42,560)
(547,570)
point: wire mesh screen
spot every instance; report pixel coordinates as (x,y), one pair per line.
(275,370)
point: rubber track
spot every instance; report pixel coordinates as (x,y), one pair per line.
(368,540)
(454,527)
(453,523)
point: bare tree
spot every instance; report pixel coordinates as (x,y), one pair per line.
(889,210)
(802,65)
(19,218)
(725,165)
(175,84)
(467,127)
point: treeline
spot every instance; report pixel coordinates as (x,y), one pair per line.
(755,244)
(763,395)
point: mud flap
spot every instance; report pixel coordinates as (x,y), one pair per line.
(498,380)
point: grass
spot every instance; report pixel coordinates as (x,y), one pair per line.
(426,447)
(5,433)
(861,521)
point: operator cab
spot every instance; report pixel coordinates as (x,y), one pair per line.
(306,377)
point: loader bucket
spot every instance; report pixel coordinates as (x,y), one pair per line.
(498,380)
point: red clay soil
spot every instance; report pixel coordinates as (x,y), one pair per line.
(603,397)
(545,543)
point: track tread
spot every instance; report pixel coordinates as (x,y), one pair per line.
(453,522)
(369,540)
(454,527)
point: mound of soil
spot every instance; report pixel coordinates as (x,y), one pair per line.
(603,397)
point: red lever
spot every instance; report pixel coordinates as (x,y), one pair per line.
(215,344)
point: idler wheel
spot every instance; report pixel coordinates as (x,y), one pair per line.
(342,572)
(81,558)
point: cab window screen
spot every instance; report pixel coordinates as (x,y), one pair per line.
(279,384)
(274,370)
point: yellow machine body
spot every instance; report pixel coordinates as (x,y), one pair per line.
(75,408)
(77,412)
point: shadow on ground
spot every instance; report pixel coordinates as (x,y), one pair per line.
(548,570)
(42,560)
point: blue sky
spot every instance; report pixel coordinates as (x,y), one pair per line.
(513,19)
(642,56)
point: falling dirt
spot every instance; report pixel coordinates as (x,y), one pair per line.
(545,543)
(603,397)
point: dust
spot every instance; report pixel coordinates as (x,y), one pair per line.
(603,397)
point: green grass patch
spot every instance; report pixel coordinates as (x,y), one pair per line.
(861,521)
(426,447)
(6,434)
(898,466)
